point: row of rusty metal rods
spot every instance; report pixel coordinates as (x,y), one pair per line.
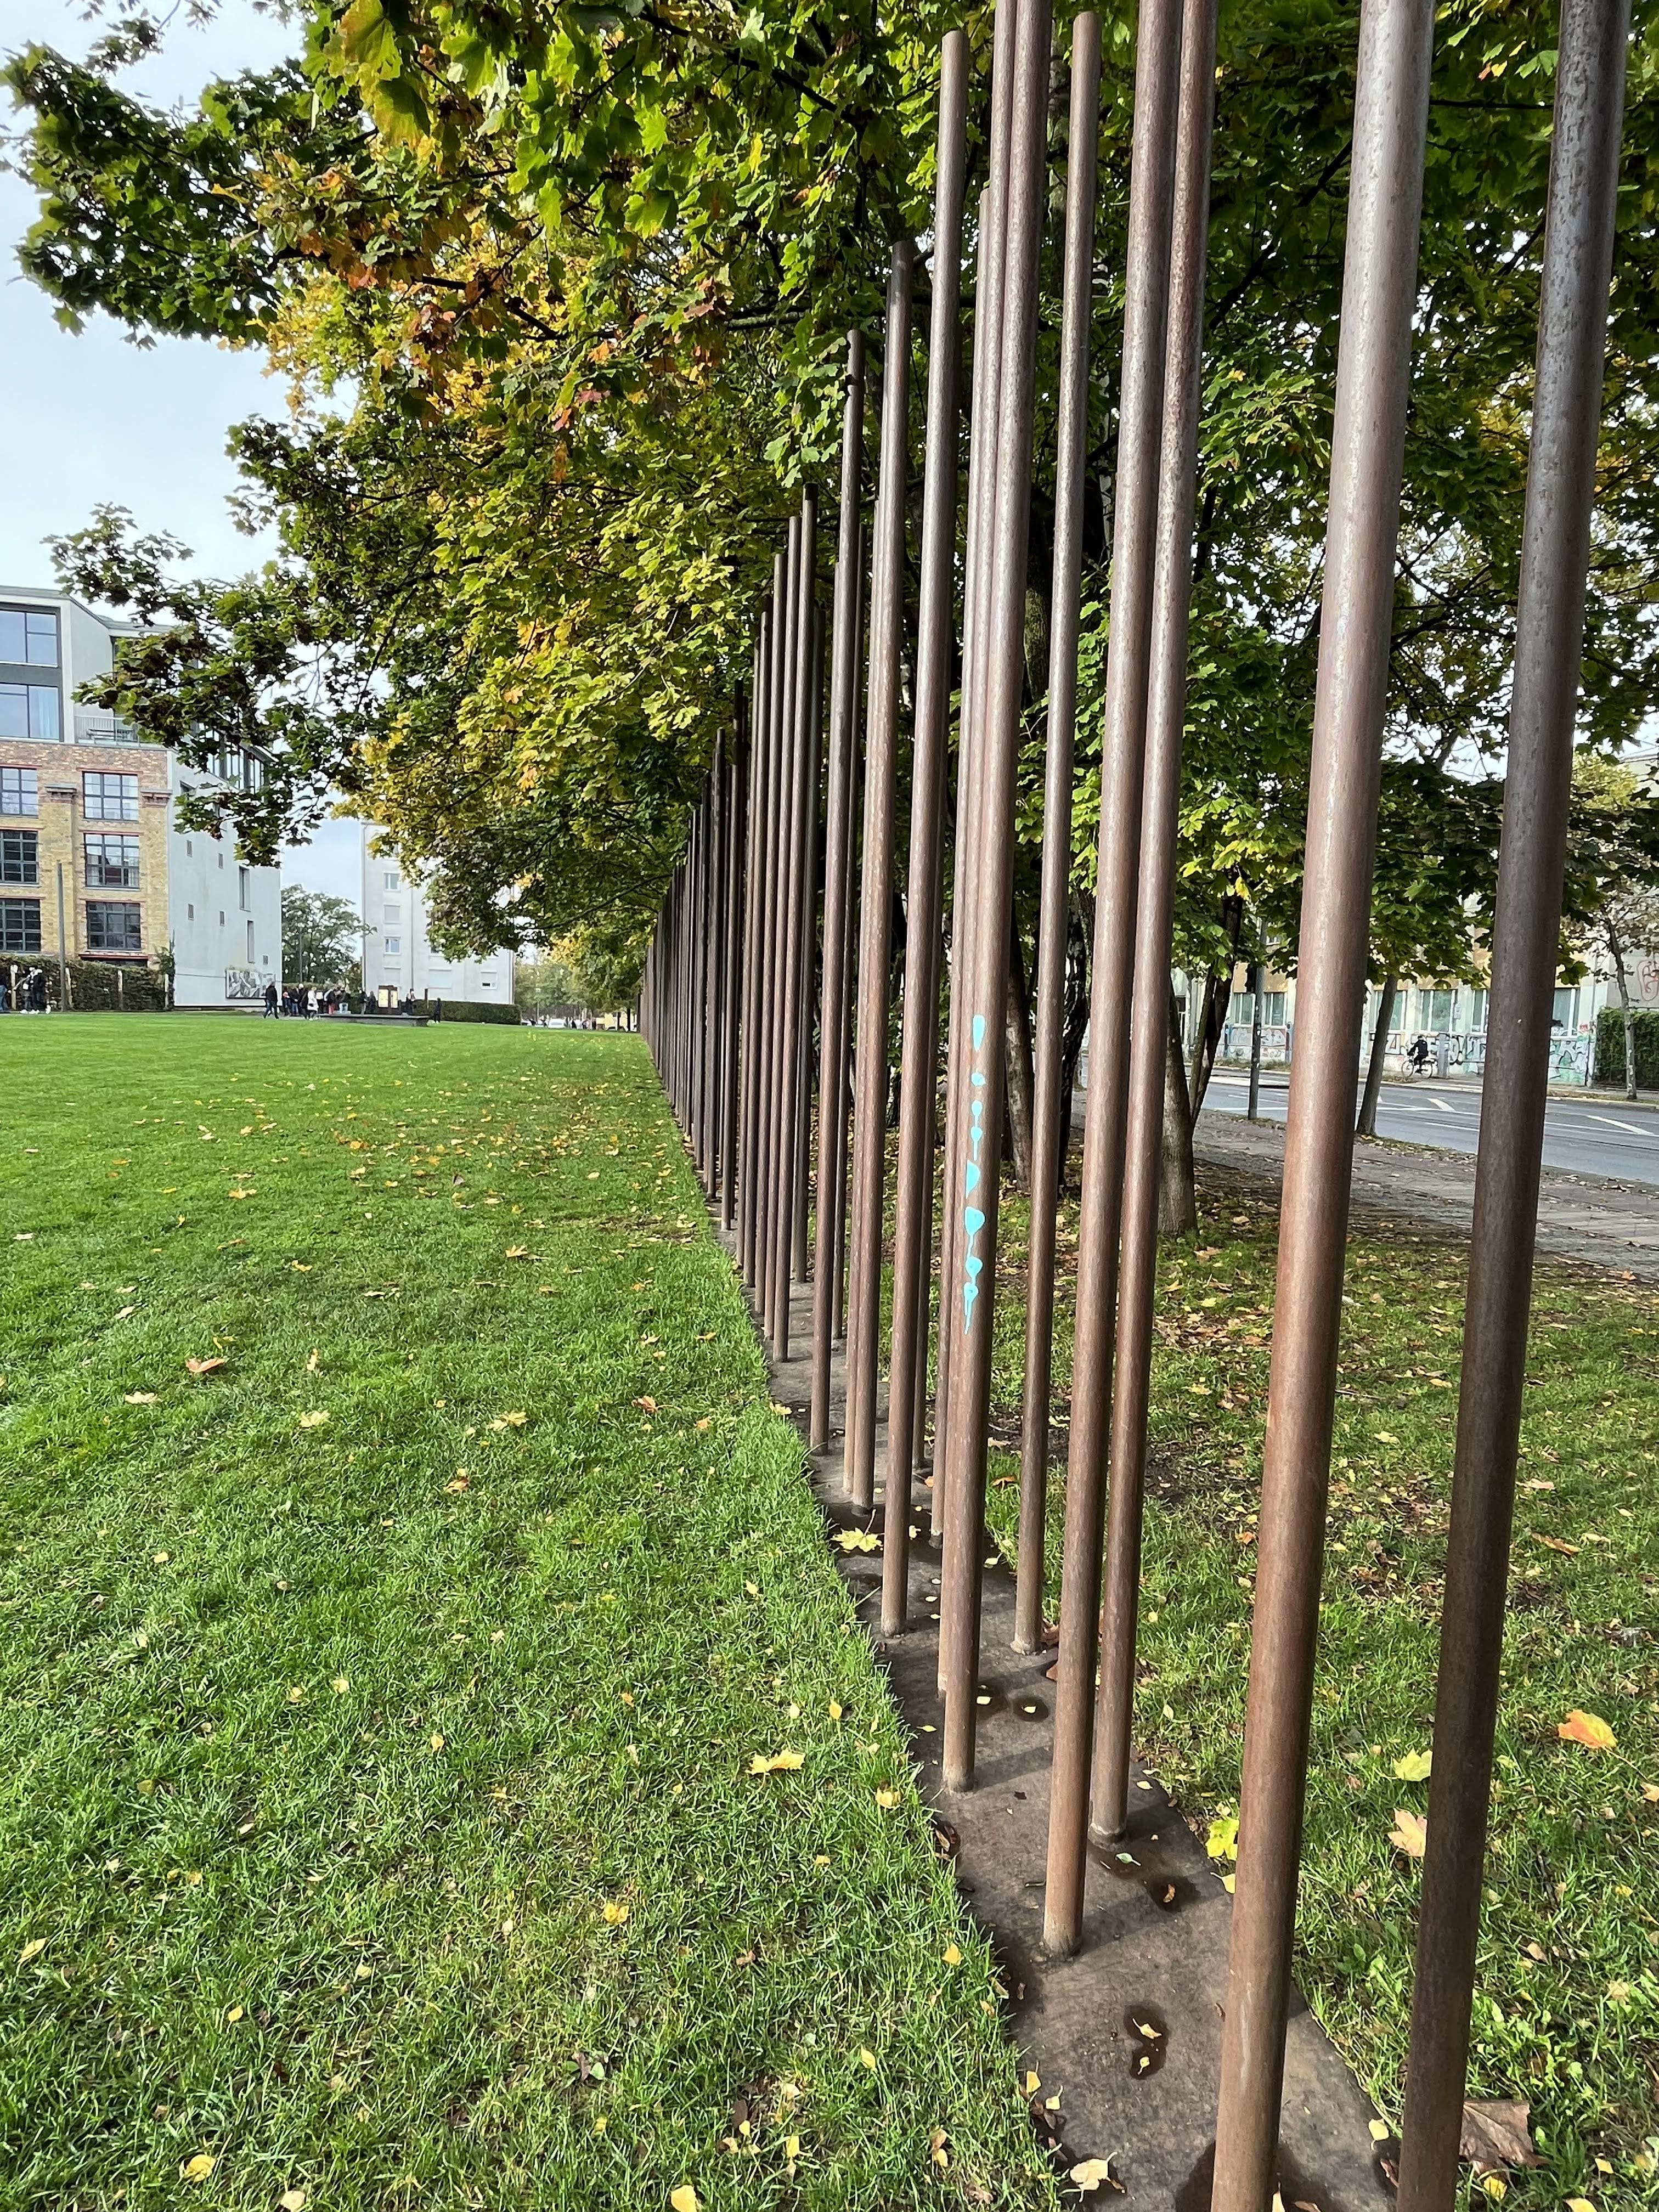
(741,979)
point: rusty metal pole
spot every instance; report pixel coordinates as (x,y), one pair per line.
(971,1294)
(810,949)
(837,887)
(844,1042)
(982,501)
(1578,239)
(918,1080)
(767,936)
(1166,706)
(737,813)
(1152,191)
(753,957)
(875,903)
(791,933)
(1373,378)
(1051,1120)
(782,1068)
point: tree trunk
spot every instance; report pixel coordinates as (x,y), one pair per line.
(1618,952)
(1366,1125)
(1252,1113)
(1177,1182)
(1214,1005)
(1019,1083)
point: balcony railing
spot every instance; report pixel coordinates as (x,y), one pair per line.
(93,728)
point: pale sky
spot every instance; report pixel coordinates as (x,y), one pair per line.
(91,417)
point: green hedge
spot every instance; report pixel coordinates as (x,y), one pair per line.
(97,986)
(1610,1047)
(470,1010)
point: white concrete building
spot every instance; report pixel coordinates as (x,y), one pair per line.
(89,826)
(399,959)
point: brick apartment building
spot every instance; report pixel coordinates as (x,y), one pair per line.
(91,859)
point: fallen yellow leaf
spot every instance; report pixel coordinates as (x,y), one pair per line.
(1410,1832)
(1413,1767)
(199,2167)
(1588,1728)
(685,2198)
(1091,2173)
(1222,1841)
(867,2057)
(139,1398)
(203,1367)
(615,1914)
(857,1539)
(781,1762)
(952,1954)
(314,1421)
(32,1949)
(292,2200)
(887,1799)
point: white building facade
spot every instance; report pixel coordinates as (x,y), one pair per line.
(399,959)
(94,864)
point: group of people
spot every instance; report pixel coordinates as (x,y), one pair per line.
(24,993)
(300,1002)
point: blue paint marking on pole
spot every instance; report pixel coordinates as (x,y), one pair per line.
(972,1219)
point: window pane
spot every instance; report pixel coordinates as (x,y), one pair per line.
(40,640)
(19,856)
(20,791)
(20,925)
(13,644)
(111,927)
(45,722)
(13,710)
(394,945)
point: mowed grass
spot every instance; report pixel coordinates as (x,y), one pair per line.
(1567,2010)
(378,1707)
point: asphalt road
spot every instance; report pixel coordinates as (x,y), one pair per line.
(1599,1137)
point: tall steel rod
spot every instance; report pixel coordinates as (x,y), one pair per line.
(981,503)
(1166,706)
(971,1294)
(753,955)
(792,936)
(981,410)
(781,1068)
(1152,191)
(838,838)
(1368,437)
(1051,1115)
(737,776)
(843,1070)
(875,900)
(775,779)
(935,627)
(1578,237)
(810,954)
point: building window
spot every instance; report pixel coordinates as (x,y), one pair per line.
(1477,1013)
(221,917)
(394,945)
(1273,1010)
(109,797)
(242,889)
(394,882)
(20,925)
(30,710)
(112,926)
(249,944)
(29,637)
(393,913)
(1242,1013)
(20,791)
(19,856)
(190,912)
(111,863)
(222,859)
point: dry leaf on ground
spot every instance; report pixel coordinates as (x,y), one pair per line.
(1495,2134)
(204,1366)
(1410,1832)
(1413,1767)
(1588,1728)
(781,1762)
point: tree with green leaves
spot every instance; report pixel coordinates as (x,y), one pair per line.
(322,940)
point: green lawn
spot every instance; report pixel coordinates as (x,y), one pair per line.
(379,1705)
(1567,2013)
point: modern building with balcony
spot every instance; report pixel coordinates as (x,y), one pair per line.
(94,865)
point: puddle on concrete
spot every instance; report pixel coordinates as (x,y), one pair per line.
(1148,2032)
